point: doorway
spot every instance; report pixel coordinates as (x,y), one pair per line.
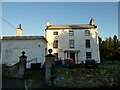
(72,55)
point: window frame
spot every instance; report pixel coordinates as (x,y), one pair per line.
(55,44)
(71,43)
(87,43)
(71,33)
(88,55)
(55,33)
(87,32)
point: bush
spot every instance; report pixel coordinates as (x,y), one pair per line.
(90,64)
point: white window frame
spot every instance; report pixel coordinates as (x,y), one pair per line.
(55,44)
(87,33)
(87,44)
(88,55)
(55,33)
(71,43)
(71,33)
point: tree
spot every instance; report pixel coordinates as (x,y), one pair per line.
(109,49)
(115,40)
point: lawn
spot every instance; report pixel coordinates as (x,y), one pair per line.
(105,75)
(110,65)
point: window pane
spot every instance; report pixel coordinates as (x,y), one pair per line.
(87,32)
(88,55)
(55,33)
(71,33)
(71,43)
(55,44)
(87,43)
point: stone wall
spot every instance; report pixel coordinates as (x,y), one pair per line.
(86,78)
(10,71)
(15,71)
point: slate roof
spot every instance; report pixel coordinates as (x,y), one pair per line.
(74,26)
(24,38)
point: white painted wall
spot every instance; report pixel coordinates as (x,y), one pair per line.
(79,38)
(11,50)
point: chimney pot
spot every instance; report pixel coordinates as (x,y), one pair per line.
(19,26)
(48,24)
(92,21)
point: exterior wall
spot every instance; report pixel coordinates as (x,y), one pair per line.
(79,43)
(12,49)
(0,49)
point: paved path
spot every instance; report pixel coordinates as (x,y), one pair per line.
(20,84)
(13,84)
(37,77)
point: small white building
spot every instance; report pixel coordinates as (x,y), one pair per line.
(34,46)
(77,41)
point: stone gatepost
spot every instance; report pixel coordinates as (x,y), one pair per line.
(22,65)
(49,68)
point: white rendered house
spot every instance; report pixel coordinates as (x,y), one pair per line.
(77,41)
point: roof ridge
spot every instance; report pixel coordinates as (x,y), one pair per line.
(68,24)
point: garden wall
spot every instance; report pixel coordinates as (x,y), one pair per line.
(86,78)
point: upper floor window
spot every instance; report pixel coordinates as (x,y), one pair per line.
(55,33)
(71,33)
(71,43)
(55,44)
(88,55)
(87,32)
(87,43)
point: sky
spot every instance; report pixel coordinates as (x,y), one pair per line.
(119,20)
(34,15)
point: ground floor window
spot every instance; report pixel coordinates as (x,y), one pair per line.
(88,55)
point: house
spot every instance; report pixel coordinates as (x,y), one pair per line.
(34,46)
(76,41)
(0,49)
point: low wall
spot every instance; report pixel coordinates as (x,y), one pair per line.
(86,78)
(15,71)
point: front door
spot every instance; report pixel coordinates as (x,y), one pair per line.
(72,55)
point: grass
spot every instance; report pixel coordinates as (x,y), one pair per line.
(102,75)
(109,65)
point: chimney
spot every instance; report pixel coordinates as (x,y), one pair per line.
(48,23)
(92,21)
(20,26)
(19,31)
